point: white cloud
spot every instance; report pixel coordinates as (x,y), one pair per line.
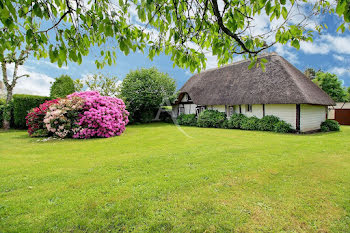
(338,57)
(286,52)
(35,84)
(326,44)
(314,48)
(340,71)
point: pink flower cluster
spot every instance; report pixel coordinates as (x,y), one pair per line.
(102,116)
(35,117)
(61,118)
(80,115)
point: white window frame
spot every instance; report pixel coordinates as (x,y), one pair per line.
(249,108)
(230,111)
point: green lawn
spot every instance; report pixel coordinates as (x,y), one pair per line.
(155,179)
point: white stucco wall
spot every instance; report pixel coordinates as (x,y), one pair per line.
(257,110)
(311,117)
(220,108)
(286,112)
(190,108)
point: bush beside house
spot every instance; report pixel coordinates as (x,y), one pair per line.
(187,119)
(330,125)
(216,119)
(211,119)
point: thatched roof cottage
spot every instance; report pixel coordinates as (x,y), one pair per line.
(282,90)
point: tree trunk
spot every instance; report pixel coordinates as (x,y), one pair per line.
(7,111)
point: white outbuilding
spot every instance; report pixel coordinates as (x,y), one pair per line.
(282,90)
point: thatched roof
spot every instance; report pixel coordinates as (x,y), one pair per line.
(234,84)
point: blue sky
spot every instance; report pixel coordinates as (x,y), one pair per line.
(330,52)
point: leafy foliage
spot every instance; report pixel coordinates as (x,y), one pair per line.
(330,125)
(235,121)
(283,127)
(211,119)
(144,91)
(331,85)
(187,119)
(68,30)
(250,123)
(267,123)
(62,87)
(22,104)
(105,85)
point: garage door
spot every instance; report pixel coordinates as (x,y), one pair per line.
(342,116)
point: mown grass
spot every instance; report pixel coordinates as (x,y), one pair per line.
(153,178)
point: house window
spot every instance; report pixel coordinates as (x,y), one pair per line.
(230,111)
(249,108)
(181,110)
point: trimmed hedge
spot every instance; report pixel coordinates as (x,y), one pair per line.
(22,104)
(187,119)
(330,125)
(211,119)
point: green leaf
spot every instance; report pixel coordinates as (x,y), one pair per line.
(268,8)
(263,60)
(295,44)
(251,65)
(283,2)
(341,7)
(284,13)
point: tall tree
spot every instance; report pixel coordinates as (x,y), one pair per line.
(106,85)
(310,73)
(62,87)
(187,30)
(5,60)
(331,85)
(144,91)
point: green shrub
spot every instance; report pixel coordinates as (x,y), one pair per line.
(330,125)
(250,123)
(165,117)
(2,101)
(225,124)
(187,119)
(147,116)
(283,127)
(62,87)
(211,119)
(22,104)
(267,123)
(235,121)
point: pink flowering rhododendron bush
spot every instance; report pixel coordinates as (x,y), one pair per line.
(102,116)
(82,115)
(35,119)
